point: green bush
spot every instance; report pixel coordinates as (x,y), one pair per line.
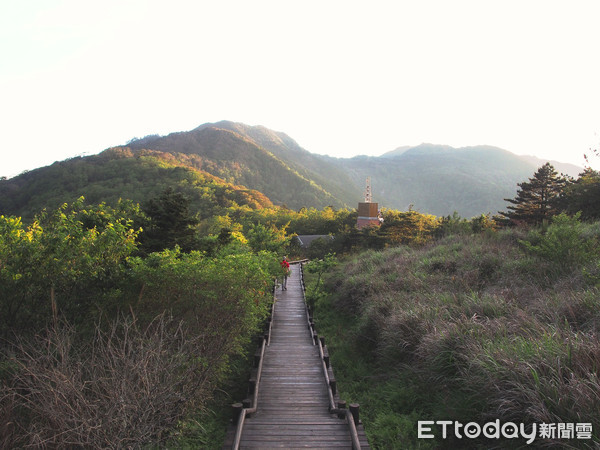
(67,262)
(223,298)
(563,243)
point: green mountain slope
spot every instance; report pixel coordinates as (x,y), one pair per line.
(440,179)
(121,173)
(260,159)
(331,177)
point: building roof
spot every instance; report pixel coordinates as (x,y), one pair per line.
(306,239)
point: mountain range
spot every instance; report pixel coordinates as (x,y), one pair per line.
(254,166)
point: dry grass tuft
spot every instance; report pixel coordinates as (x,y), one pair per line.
(129,390)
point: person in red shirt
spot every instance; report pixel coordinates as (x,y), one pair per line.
(285,266)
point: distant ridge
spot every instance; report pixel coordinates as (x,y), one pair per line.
(564,168)
(422,149)
(257,165)
(396,152)
(440,179)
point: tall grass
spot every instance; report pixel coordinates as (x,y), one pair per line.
(473,328)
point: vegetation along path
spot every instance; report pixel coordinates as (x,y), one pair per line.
(293,398)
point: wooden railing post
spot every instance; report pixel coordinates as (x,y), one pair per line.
(236,410)
(251,385)
(354,409)
(326,357)
(333,386)
(256,358)
(341,405)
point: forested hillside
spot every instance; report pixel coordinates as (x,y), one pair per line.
(256,157)
(331,177)
(121,173)
(434,179)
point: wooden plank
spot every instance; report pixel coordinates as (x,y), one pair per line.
(298,445)
(290,420)
(326,434)
(302,429)
(292,439)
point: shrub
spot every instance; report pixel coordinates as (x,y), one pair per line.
(563,243)
(65,262)
(224,299)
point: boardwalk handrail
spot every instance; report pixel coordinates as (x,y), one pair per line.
(245,411)
(348,414)
(332,406)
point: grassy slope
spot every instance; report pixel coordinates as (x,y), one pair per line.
(471,328)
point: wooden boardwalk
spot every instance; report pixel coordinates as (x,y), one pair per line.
(293,398)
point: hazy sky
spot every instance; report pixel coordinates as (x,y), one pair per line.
(340,77)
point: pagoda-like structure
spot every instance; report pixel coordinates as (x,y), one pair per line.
(368,211)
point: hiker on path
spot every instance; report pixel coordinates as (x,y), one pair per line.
(285,266)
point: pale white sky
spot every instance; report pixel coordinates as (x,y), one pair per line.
(340,77)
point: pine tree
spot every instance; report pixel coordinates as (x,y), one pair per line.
(537,199)
(171,222)
(583,195)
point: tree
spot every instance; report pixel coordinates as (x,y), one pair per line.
(537,200)
(410,227)
(583,195)
(171,222)
(319,267)
(269,238)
